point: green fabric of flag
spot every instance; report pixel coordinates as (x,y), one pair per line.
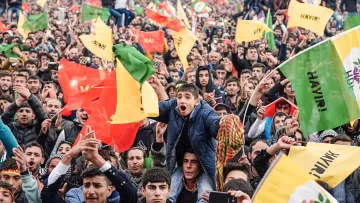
(324,97)
(89,12)
(270,35)
(7,50)
(36,22)
(351,21)
(138,65)
(138,10)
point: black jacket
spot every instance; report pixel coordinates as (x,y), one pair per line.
(29,133)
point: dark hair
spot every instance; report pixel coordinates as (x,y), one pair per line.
(189,88)
(51,83)
(5,73)
(8,187)
(254,143)
(34,77)
(9,164)
(8,98)
(25,70)
(136,148)
(31,62)
(64,142)
(259,65)
(231,166)
(93,171)
(24,105)
(220,67)
(174,70)
(245,71)
(35,144)
(239,184)
(248,49)
(156,175)
(343,138)
(232,79)
(21,75)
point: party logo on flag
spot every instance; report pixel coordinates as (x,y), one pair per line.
(309,192)
(356,70)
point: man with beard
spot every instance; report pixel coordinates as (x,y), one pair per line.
(251,58)
(61,47)
(34,154)
(52,127)
(232,88)
(70,132)
(34,85)
(5,82)
(25,128)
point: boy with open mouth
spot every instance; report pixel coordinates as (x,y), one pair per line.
(192,123)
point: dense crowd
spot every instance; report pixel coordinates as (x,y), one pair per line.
(211,133)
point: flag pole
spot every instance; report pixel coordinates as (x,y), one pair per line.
(55,116)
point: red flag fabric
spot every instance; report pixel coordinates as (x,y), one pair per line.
(270,109)
(96,3)
(3,28)
(119,136)
(74,8)
(151,41)
(25,7)
(169,22)
(75,78)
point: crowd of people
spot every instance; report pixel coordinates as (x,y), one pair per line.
(211,133)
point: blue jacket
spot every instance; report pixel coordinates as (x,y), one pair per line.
(75,195)
(203,128)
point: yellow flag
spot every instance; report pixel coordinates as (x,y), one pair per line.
(181,15)
(22,32)
(41,3)
(101,42)
(184,41)
(308,16)
(149,100)
(326,161)
(250,30)
(128,107)
(286,181)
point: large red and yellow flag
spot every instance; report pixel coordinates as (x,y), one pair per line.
(116,121)
(172,23)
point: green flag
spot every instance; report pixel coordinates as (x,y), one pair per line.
(36,22)
(138,10)
(270,35)
(138,65)
(89,12)
(351,21)
(326,81)
(7,50)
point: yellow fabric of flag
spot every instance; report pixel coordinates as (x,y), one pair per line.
(41,3)
(286,181)
(184,41)
(326,162)
(149,100)
(308,16)
(22,32)
(101,42)
(181,15)
(128,108)
(250,30)
(133,105)
(348,49)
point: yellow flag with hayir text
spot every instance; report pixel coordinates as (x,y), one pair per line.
(24,33)
(41,3)
(328,162)
(181,15)
(133,104)
(285,181)
(184,41)
(250,30)
(308,16)
(100,43)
